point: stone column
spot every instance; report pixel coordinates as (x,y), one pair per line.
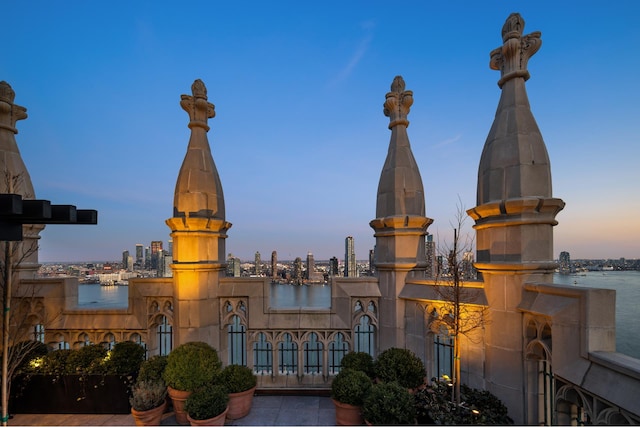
(514,216)
(401,223)
(15,179)
(198,229)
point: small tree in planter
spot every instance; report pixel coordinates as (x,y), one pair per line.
(348,390)
(240,383)
(400,365)
(389,404)
(207,405)
(359,361)
(152,368)
(189,367)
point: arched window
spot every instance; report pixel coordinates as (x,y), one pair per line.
(38,332)
(287,355)
(165,336)
(262,355)
(365,336)
(137,338)
(110,341)
(313,355)
(337,349)
(62,344)
(84,340)
(237,335)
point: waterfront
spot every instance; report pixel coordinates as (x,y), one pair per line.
(625,283)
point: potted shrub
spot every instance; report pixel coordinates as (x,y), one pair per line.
(189,366)
(360,361)
(208,405)
(148,402)
(240,383)
(348,390)
(400,365)
(389,404)
(152,368)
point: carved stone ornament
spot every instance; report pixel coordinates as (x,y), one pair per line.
(397,103)
(512,57)
(10,113)
(199,109)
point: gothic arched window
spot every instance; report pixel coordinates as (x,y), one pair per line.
(313,355)
(287,355)
(364,336)
(262,355)
(237,336)
(165,336)
(337,349)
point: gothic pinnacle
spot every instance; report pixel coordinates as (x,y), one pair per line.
(397,103)
(199,109)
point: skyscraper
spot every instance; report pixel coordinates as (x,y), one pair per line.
(349,258)
(333,266)
(430,254)
(140,255)
(311,266)
(565,263)
(258,263)
(274,265)
(156,253)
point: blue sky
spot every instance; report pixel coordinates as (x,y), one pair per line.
(299,136)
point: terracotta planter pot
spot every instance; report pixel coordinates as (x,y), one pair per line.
(151,417)
(348,415)
(179,397)
(215,421)
(240,404)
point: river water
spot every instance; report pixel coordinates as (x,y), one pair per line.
(625,283)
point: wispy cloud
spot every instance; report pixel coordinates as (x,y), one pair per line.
(357,55)
(448,141)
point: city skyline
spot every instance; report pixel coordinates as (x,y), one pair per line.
(299,137)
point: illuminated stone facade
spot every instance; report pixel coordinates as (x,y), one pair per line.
(547,351)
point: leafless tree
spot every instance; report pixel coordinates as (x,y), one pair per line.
(462,310)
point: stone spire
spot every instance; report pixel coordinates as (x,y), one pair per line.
(198,190)
(400,224)
(15,178)
(400,190)
(514,216)
(198,230)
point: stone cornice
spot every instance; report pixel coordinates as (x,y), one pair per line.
(401,225)
(197,224)
(520,211)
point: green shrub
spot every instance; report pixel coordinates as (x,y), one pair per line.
(152,368)
(434,406)
(360,361)
(206,402)
(389,404)
(125,358)
(400,365)
(147,395)
(85,359)
(351,387)
(191,365)
(237,378)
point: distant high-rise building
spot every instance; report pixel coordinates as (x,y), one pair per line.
(311,265)
(565,263)
(333,266)
(468,270)
(140,255)
(147,257)
(125,260)
(430,254)
(156,253)
(170,246)
(164,269)
(258,263)
(297,270)
(349,258)
(233,266)
(274,265)
(372,262)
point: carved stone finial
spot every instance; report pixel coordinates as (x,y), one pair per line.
(512,57)
(199,109)
(10,113)
(397,103)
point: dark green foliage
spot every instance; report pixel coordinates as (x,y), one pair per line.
(351,387)
(206,402)
(434,406)
(360,361)
(400,365)
(389,404)
(237,378)
(191,365)
(85,359)
(53,363)
(152,368)
(125,358)
(30,350)
(146,395)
